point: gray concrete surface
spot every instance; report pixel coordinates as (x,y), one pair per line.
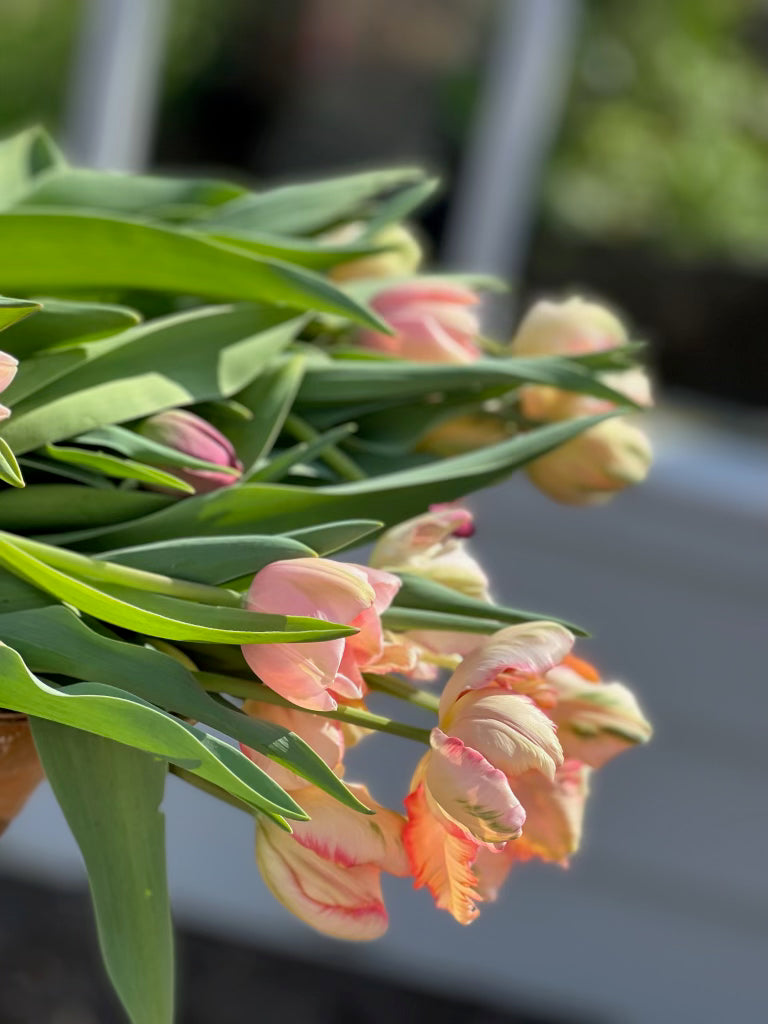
(663,915)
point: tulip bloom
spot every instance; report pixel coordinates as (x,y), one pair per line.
(595,720)
(554,816)
(433,545)
(574,327)
(314,675)
(592,467)
(328,872)
(401,255)
(192,435)
(433,321)
(20,768)
(462,794)
(8,368)
(569,328)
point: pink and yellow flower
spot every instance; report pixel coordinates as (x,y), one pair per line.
(499,784)
(315,675)
(433,321)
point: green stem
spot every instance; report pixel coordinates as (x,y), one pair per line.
(253,690)
(333,456)
(124,575)
(403,691)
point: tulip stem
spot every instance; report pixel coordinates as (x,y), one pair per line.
(332,456)
(213,790)
(253,690)
(403,691)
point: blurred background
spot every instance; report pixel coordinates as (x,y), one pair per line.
(613,148)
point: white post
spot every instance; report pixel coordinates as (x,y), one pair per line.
(113,95)
(518,115)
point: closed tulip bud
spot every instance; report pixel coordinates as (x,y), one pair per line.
(20,768)
(402,253)
(568,328)
(594,466)
(433,322)
(192,435)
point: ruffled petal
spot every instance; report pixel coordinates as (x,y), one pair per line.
(473,793)
(509,730)
(345,903)
(347,838)
(441,859)
(528,649)
(596,722)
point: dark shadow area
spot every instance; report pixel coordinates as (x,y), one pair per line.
(51,975)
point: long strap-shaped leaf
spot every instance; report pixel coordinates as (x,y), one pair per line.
(167,617)
(55,640)
(115,714)
(110,795)
(390,498)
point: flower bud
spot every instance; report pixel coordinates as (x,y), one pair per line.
(402,255)
(8,368)
(433,323)
(591,468)
(192,435)
(568,328)
(465,433)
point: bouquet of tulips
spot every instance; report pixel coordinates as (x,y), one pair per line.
(209,392)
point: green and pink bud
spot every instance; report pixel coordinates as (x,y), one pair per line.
(8,367)
(192,435)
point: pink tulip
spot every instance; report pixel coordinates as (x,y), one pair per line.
(328,872)
(192,435)
(314,675)
(434,322)
(8,368)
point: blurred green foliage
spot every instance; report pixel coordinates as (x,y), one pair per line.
(666,132)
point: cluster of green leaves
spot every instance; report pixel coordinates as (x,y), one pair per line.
(121,610)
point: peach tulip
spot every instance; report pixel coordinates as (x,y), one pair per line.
(594,466)
(314,675)
(433,322)
(553,825)
(328,872)
(463,791)
(192,435)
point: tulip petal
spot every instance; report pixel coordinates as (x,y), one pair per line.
(554,813)
(508,729)
(318,587)
(441,859)
(302,673)
(347,838)
(473,793)
(530,649)
(596,721)
(345,903)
